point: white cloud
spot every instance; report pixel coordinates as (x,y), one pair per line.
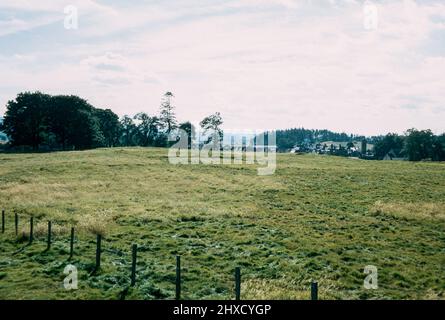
(15,25)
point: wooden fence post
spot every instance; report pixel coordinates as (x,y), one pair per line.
(72,243)
(49,236)
(16,221)
(3,221)
(314,290)
(31,230)
(133,264)
(178,277)
(98,251)
(237,283)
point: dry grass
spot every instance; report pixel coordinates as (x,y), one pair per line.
(35,193)
(282,289)
(40,230)
(256,289)
(416,210)
(95,224)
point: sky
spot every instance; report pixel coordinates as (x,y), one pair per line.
(363,67)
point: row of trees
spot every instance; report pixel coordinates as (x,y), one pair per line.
(41,121)
(161,130)
(415,145)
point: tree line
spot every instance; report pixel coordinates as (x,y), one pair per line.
(41,121)
(414,145)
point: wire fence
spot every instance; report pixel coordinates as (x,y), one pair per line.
(134,257)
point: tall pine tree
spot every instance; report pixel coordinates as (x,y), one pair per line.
(167,115)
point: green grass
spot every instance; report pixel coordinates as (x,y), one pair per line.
(318,217)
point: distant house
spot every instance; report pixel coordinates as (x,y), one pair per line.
(3,137)
(295,150)
(391,155)
(265,148)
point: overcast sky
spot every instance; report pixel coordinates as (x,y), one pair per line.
(261,63)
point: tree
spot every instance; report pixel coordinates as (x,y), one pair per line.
(60,113)
(129,131)
(148,128)
(190,130)
(167,116)
(213,124)
(110,126)
(84,132)
(75,124)
(439,148)
(25,119)
(384,145)
(419,144)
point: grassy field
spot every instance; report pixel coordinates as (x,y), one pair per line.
(318,217)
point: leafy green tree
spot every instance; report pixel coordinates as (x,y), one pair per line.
(391,141)
(212,124)
(419,144)
(190,130)
(129,133)
(60,112)
(439,148)
(85,131)
(162,140)
(75,123)
(148,128)
(25,120)
(109,125)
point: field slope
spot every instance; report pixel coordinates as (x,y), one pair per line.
(318,217)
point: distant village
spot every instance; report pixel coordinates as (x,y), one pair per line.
(325,142)
(354,149)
